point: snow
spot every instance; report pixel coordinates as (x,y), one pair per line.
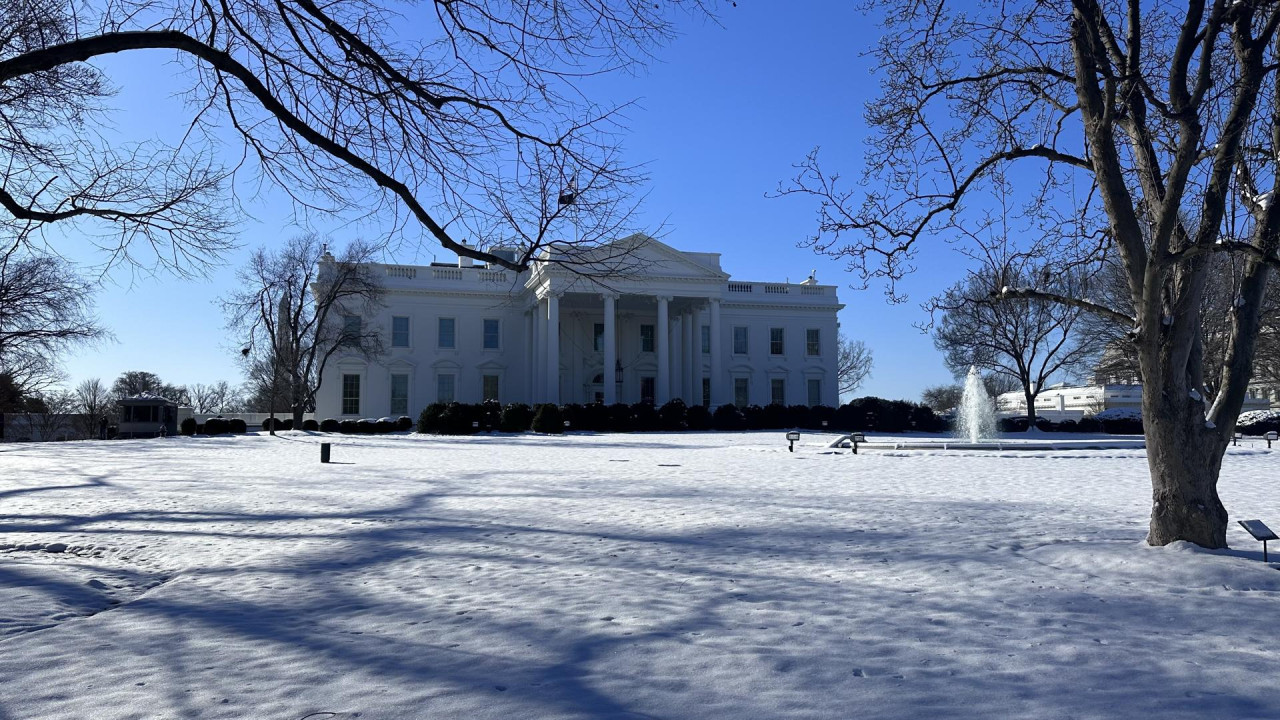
(1118,414)
(1254,416)
(622,576)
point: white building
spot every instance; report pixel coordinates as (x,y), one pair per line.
(1061,402)
(675,326)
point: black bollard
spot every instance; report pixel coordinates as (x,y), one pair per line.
(324,452)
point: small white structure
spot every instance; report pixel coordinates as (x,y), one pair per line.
(1061,402)
(674,325)
(147,415)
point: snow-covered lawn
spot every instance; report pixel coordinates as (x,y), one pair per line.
(618,576)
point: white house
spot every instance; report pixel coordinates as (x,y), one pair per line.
(673,326)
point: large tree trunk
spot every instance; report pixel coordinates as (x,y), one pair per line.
(1185,457)
(1031,409)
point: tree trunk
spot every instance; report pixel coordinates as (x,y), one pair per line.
(1031,410)
(297,417)
(1185,458)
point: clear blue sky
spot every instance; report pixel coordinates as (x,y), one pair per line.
(720,119)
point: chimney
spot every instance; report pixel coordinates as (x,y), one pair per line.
(464,261)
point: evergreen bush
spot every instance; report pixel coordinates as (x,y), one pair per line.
(644,417)
(516,417)
(330,425)
(456,419)
(698,417)
(429,418)
(619,418)
(727,417)
(673,415)
(385,425)
(215,426)
(404,422)
(348,426)
(310,425)
(237,426)
(548,420)
(188,426)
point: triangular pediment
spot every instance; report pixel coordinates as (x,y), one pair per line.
(656,258)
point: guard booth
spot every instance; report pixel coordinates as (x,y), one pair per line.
(143,416)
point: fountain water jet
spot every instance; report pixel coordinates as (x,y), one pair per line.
(977,418)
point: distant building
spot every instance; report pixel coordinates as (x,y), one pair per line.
(1060,402)
(675,326)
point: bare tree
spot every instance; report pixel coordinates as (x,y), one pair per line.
(1030,341)
(213,397)
(298,307)
(467,123)
(94,403)
(941,398)
(45,310)
(136,382)
(853,365)
(1151,132)
(53,418)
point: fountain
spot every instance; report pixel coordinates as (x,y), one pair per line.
(977,416)
(976,429)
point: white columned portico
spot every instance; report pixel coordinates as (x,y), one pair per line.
(610,349)
(717,372)
(663,391)
(553,348)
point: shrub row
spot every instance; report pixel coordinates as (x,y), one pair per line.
(862,414)
(1111,426)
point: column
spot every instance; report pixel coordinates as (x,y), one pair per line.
(673,351)
(697,357)
(536,373)
(610,349)
(690,323)
(717,369)
(553,349)
(531,354)
(663,390)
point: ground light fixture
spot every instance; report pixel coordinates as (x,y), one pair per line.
(792,437)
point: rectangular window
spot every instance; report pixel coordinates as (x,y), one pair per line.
(446,338)
(351,330)
(444,388)
(778,391)
(492,334)
(350,394)
(646,338)
(739,340)
(741,392)
(399,332)
(706,339)
(775,341)
(597,337)
(813,342)
(489,387)
(647,389)
(399,395)
(815,391)
(706,392)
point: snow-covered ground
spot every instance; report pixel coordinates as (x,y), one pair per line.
(618,576)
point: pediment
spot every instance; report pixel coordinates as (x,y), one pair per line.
(655,257)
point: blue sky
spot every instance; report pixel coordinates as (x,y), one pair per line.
(720,118)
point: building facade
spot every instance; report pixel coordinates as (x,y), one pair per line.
(673,325)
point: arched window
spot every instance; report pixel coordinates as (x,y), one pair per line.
(598,379)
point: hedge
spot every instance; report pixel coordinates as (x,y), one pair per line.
(310,425)
(330,425)
(548,420)
(188,426)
